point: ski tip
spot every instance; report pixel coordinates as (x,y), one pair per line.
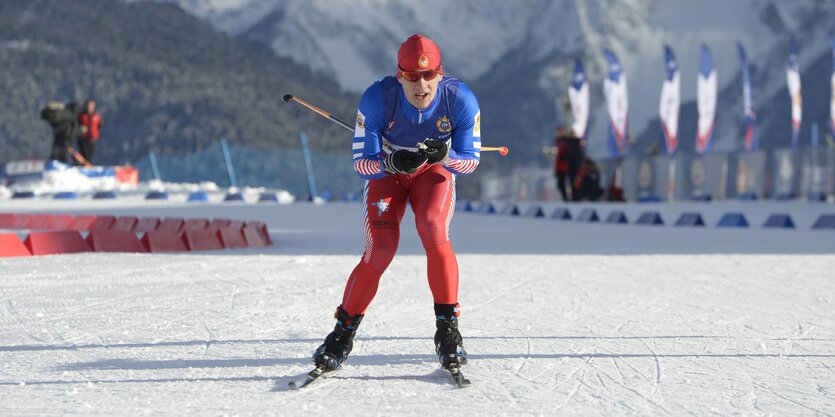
(288,97)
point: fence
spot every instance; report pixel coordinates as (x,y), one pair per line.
(781,174)
(270,168)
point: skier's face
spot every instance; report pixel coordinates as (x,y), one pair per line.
(421,92)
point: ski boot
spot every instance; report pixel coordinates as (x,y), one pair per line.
(448,343)
(339,342)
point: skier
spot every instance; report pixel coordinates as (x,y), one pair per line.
(414,133)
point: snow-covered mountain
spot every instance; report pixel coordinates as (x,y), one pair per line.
(518,55)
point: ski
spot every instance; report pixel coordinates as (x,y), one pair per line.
(457,377)
(304,380)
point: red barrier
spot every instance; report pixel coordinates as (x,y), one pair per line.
(47,243)
(231,238)
(40,222)
(163,241)
(217,224)
(171,224)
(103,223)
(114,241)
(262,228)
(254,237)
(82,222)
(6,220)
(201,239)
(11,246)
(61,222)
(124,224)
(145,224)
(196,224)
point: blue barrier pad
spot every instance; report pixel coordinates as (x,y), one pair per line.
(779,220)
(747,197)
(732,220)
(651,218)
(234,197)
(534,211)
(588,215)
(486,208)
(23,194)
(65,195)
(690,219)
(561,214)
(156,195)
(198,197)
(617,216)
(825,221)
(270,198)
(510,209)
(104,195)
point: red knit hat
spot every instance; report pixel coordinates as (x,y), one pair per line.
(419,53)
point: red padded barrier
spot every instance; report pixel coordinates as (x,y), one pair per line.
(145,224)
(103,223)
(262,228)
(40,222)
(171,224)
(124,224)
(15,221)
(216,224)
(196,224)
(10,246)
(231,238)
(47,243)
(163,241)
(254,238)
(202,239)
(61,222)
(82,222)
(6,220)
(114,241)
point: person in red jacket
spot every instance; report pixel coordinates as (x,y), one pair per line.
(567,162)
(90,123)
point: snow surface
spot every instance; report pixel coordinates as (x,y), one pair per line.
(560,318)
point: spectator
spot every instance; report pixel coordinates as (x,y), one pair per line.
(90,123)
(587,185)
(63,119)
(567,162)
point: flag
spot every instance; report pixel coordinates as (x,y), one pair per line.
(617,103)
(793,83)
(668,107)
(707,89)
(578,93)
(750,117)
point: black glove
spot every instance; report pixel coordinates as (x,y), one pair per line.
(436,151)
(404,162)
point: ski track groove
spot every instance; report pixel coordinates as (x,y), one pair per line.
(773,392)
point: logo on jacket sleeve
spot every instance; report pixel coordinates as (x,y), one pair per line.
(444,125)
(359,130)
(477,125)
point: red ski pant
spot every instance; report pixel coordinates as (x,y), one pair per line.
(431,193)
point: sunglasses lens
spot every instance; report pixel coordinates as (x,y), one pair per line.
(416,75)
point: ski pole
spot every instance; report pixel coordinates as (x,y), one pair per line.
(78,157)
(502,150)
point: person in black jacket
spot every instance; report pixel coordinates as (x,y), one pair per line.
(63,119)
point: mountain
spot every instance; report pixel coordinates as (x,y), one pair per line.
(517,56)
(164,80)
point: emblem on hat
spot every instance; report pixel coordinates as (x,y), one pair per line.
(423,61)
